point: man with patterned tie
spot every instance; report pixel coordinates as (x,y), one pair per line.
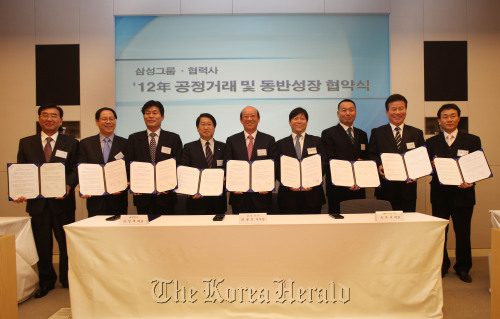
(49,215)
(250,145)
(100,149)
(205,153)
(154,145)
(448,201)
(299,145)
(395,137)
(344,142)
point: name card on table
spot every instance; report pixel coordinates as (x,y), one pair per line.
(389,216)
(253,219)
(134,220)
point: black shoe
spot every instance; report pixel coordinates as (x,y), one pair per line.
(43,291)
(464,276)
(65,284)
(444,271)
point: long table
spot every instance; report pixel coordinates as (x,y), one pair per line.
(26,255)
(292,267)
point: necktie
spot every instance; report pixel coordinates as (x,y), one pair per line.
(398,137)
(106,149)
(349,132)
(47,150)
(152,146)
(208,154)
(250,146)
(298,149)
(449,139)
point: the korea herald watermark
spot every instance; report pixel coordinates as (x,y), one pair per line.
(216,291)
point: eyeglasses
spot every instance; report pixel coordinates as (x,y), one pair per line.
(249,116)
(106,119)
(47,115)
(206,124)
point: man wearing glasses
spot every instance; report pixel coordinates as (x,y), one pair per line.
(100,149)
(250,145)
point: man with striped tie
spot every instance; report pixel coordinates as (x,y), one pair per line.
(154,145)
(205,153)
(395,137)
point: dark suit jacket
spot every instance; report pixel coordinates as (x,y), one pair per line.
(382,141)
(338,145)
(194,156)
(437,147)
(90,151)
(138,150)
(31,151)
(236,149)
(286,197)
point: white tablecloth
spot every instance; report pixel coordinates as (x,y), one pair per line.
(26,255)
(292,267)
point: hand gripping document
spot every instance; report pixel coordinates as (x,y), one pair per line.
(47,180)
(196,181)
(351,174)
(303,173)
(408,166)
(102,179)
(152,178)
(469,169)
(244,176)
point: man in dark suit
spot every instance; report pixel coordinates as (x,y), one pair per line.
(344,142)
(250,145)
(299,145)
(205,153)
(154,145)
(51,214)
(395,137)
(455,201)
(100,149)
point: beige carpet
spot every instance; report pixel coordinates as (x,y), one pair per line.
(461,300)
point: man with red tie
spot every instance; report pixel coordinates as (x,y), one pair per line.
(49,215)
(250,145)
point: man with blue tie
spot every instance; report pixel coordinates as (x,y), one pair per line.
(299,145)
(100,149)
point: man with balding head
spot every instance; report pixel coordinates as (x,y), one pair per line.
(250,145)
(348,143)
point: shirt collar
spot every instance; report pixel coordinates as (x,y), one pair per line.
(53,137)
(204,142)
(254,134)
(157,132)
(102,137)
(394,126)
(454,134)
(294,136)
(346,127)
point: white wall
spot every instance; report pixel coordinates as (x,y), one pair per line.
(90,23)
